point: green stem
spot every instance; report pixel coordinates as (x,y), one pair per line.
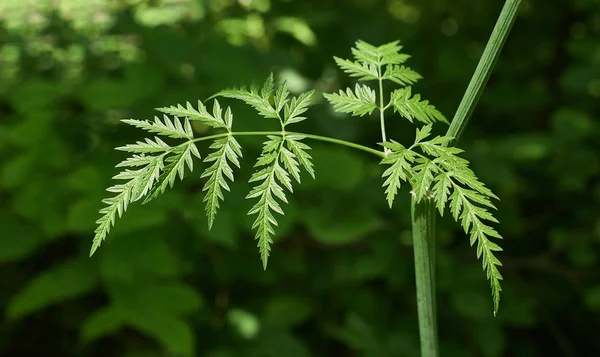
(310,136)
(423,213)
(381,117)
(423,221)
(484,68)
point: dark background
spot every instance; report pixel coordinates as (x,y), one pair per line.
(340,279)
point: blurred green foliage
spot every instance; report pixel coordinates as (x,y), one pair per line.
(340,281)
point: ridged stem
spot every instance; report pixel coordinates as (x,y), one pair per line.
(423,213)
(423,223)
(484,68)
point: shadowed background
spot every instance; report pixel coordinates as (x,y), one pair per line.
(340,279)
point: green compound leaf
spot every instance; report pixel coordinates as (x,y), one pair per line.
(201,114)
(441,175)
(167,127)
(125,194)
(146,147)
(401,75)
(365,72)
(300,149)
(360,102)
(296,107)
(154,173)
(400,160)
(413,108)
(182,157)
(228,150)
(259,99)
(276,164)
(386,54)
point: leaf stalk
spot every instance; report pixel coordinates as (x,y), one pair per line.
(309,136)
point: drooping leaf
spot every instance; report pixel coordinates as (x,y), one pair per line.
(228,150)
(275,166)
(176,164)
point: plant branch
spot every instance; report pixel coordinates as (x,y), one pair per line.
(309,136)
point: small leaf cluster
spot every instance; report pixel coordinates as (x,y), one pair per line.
(439,174)
(436,172)
(281,157)
(155,165)
(158,164)
(383,63)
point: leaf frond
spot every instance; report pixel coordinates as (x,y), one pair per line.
(441,175)
(296,107)
(364,72)
(295,144)
(275,166)
(412,107)
(167,127)
(360,102)
(214,120)
(400,160)
(176,165)
(386,54)
(259,98)
(149,146)
(139,183)
(401,75)
(227,151)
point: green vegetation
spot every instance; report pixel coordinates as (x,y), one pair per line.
(340,279)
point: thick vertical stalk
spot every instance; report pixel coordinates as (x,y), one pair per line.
(484,68)
(423,213)
(423,222)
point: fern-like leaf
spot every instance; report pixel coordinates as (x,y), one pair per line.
(167,127)
(386,54)
(472,218)
(401,75)
(228,150)
(270,178)
(149,146)
(364,72)
(360,102)
(259,99)
(441,175)
(296,107)
(413,108)
(295,144)
(200,113)
(177,162)
(400,160)
(139,182)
